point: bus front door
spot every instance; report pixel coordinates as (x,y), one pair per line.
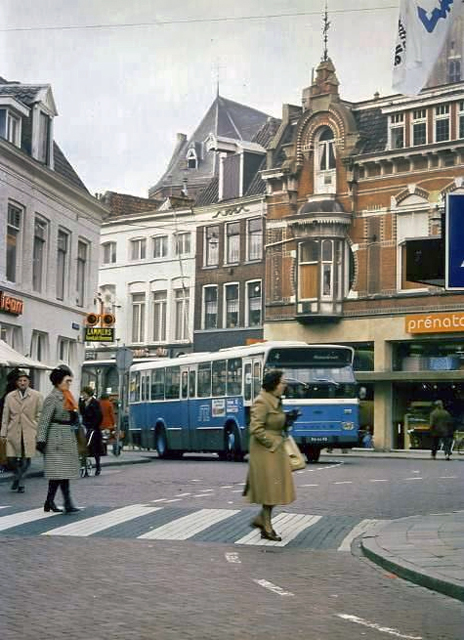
(184,412)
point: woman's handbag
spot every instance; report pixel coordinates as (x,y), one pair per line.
(297,460)
(3,458)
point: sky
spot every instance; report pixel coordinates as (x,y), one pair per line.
(128,76)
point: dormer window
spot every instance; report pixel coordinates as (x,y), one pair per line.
(192,159)
(397,131)
(43,152)
(10,127)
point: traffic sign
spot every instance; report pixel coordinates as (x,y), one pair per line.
(454,277)
(124,357)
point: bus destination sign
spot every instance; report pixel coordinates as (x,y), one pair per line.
(99,334)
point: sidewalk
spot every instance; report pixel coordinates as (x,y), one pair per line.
(126,457)
(427,550)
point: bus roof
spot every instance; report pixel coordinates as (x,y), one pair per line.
(230,352)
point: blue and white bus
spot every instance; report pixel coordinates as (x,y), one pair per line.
(201,402)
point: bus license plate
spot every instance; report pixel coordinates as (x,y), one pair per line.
(318,439)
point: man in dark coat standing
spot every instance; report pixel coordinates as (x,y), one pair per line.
(441,429)
(92,417)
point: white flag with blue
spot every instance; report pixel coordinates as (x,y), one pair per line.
(423,27)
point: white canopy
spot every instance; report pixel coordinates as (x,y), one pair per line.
(11,358)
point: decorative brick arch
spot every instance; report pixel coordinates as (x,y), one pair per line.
(416,191)
(456,185)
(309,126)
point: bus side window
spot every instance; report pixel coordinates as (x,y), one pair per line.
(204,379)
(248,381)
(184,384)
(219,378)
(145,387)
(134,391)
(234,377)
(257,382)
(157,384)
(192,385)
(172,383)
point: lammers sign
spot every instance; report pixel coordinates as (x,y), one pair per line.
(10,304)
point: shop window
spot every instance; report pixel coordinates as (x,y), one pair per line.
(439,355)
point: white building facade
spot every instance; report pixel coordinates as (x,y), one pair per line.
(147,280)
(49,235)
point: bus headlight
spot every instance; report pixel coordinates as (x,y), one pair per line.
(348,426)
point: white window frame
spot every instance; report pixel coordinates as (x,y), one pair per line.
(396,121)
(160,246)
(227,258)
(325,178)
(82,271)
(182,243)
(39,346)
(141,253)
(418,117)
(14,213)
(419,212)
(44,137)
(182,302)
(43,270)
(203,307)
(64,347)
(249,236)
(460,118)
(62,275)
(13,128)
(109,250)
(248,284)
(207,246)
(192,157)
(137,326)
(441,113)
(227,286)
(160,334)
(309,262)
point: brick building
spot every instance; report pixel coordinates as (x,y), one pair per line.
(348,185)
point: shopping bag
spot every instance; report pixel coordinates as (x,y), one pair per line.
(3,458)
(296,458)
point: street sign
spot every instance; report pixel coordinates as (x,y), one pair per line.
(124,357)
(99,334)
(454,278)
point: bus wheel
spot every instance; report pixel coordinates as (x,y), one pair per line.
(161,444)
(231,445)
(313,454)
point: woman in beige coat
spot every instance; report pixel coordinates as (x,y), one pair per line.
(270,479)
(19,427)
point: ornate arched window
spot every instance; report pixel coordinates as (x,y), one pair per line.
(325,164)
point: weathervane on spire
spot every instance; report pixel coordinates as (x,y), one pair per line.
(325,31)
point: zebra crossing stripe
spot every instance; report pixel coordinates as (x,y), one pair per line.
(25,517)
(289,525)
(188,526)
(5,506)
(89,526)
(356,531)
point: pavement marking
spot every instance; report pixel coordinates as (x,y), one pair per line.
(227,486)
(308,485)
(159,500)
(182,495)
(415,478)
(356,531)
(196,480)
(202,495)
(237,491)
(344,482)
(174,500)
(273,587)
(16,519)
(447,477)
(188,526)
(374,625)
(289,525)
(87,527)
(233,558)
(415,471)
(5,506)
(375,480)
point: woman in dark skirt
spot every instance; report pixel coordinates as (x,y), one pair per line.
(92,417)
(56,439)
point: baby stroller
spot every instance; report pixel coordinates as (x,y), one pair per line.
(86,467)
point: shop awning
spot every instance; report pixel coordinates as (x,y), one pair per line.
(409,376)
(9,357)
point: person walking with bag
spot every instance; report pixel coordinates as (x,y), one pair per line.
(56,439)
(441,430)
(92,418)
(108,419)
(269,480)
(21,412)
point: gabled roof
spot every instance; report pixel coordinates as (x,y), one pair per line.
(226,119)
(63,167)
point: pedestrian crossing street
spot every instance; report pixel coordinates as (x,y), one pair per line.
(149,522)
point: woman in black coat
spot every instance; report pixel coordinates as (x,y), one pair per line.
(92,418)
